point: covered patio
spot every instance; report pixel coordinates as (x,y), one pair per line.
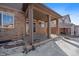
(38,19)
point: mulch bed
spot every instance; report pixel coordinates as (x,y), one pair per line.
(4,44)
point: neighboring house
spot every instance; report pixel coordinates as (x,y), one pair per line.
(19,20)
(54,26)
(72,29)
(64,25)
(76,30)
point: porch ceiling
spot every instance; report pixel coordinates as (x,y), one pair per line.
(41,12)
(45,10)
(39,16)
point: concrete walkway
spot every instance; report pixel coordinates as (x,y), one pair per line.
(49,49)
(61,46)
(70,47)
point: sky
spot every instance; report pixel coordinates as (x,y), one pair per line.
(66,8)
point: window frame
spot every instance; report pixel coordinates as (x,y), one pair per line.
(6,13)
(1,19)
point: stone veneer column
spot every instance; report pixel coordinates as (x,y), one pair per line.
(57,25)
(48,27)
(30,16)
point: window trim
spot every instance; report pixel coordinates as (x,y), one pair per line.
(6,13)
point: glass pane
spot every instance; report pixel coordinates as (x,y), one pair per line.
(7,21)
(42,24)
(34,27)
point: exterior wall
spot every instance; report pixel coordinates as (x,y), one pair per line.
(72,30)
(65,31)
(65,19)
(53,23)
(41,28)
(76,30)
(54,27)
(54,30)
(38,29)
(19,25)
(64,22)
(61,30)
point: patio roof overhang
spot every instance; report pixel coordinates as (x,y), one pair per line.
(46,10)
(40,12)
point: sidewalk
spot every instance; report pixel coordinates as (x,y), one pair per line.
(69,46)
(49,49)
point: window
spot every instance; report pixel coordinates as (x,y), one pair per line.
(0,30)
(34,27)
(0,22)
(53,23)
(42,24)
(0,19)
(62,20)
(6,20)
